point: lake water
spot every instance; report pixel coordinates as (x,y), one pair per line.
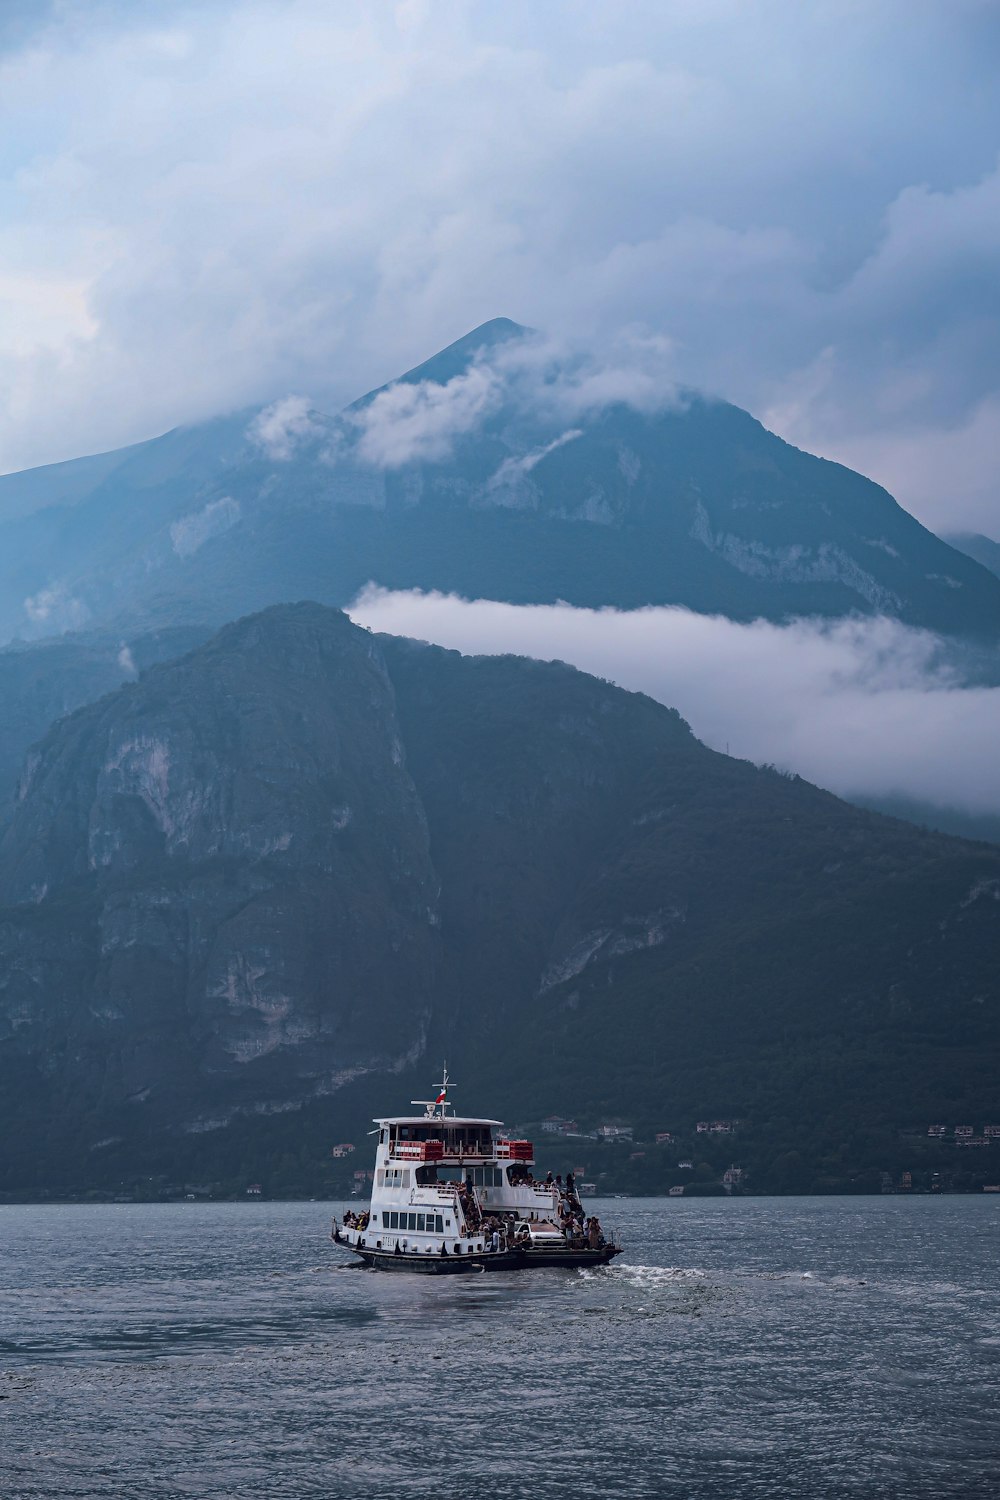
(751,1348)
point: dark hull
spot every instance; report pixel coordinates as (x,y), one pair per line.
(502,1260)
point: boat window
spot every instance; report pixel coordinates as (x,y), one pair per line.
(432,1175)
(485,1176)
(417,1223)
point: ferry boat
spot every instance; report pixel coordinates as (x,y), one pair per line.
(453,1193)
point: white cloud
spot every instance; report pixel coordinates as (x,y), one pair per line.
(283,427)
(127,661)
(533,377)
(562,378)
(419,422)
(194,530)
(56,608)
(514,469)
(858,706)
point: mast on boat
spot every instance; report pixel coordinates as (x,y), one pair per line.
(437,1108)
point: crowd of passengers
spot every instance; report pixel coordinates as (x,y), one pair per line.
(500,1231)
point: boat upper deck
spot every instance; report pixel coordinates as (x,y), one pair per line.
(435,1122)
(449,1138)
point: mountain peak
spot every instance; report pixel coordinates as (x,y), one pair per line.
(454,359)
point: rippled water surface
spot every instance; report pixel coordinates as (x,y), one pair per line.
(768,1347)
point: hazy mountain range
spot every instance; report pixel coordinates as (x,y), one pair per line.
(499,469)
(982,548)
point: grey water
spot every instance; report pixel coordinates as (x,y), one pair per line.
(745,1347)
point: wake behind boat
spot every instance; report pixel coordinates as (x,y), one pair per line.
(453,1193)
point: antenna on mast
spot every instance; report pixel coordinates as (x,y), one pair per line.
(438,1106)
(441,1101)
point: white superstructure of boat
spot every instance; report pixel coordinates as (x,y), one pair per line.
(453,1192)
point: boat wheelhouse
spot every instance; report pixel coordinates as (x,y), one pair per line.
(454,1192)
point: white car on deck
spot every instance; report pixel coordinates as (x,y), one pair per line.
(539,1232)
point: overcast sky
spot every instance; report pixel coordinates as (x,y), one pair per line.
(211,205)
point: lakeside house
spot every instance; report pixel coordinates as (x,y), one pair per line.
(965,1135)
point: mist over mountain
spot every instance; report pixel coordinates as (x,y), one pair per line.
(258,886)
(873,710)
(504,468)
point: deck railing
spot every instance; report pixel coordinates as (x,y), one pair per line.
(486,1151)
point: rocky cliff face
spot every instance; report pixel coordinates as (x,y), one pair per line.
(303,856)
(246,862)
(39,683)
